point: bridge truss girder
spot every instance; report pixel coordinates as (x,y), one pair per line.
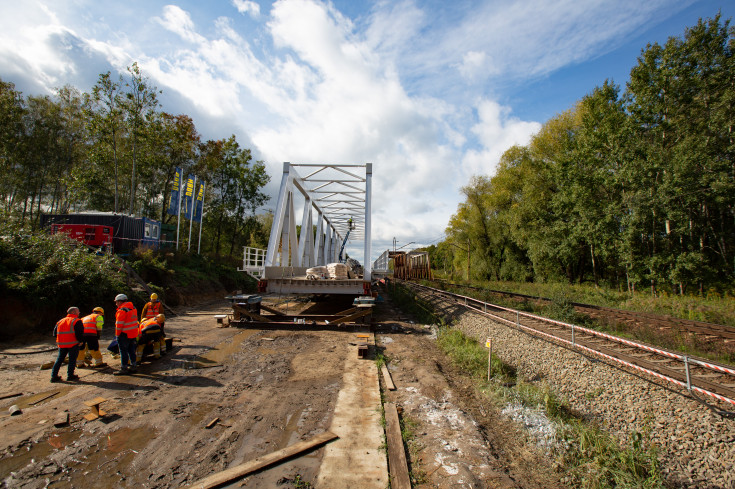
(336,193)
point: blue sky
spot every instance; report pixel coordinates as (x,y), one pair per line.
(430,91)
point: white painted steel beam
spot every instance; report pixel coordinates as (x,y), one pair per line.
(337,193)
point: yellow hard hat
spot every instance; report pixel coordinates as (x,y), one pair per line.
(160,319)
(99,310)
(154,296)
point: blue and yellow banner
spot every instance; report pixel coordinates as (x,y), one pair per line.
(188,199)
(173,205)
(198,206)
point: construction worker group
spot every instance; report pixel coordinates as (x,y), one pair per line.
(78,338)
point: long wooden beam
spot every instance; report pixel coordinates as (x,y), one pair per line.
(399,478)
(229,475)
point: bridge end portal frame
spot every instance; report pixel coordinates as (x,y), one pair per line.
(335,197)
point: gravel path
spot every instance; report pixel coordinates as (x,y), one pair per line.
(696,445)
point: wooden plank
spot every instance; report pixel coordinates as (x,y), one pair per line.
(358,315)
(399,478)
(346,311)
(226,476)
(387,379)
(212,423)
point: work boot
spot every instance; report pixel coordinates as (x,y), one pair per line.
(72,378)
(139,353)
(55,379)
(122,371)
(98,360)
(132,369)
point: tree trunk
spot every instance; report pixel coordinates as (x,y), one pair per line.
(594,265)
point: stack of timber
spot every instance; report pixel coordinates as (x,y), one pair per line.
(338,271)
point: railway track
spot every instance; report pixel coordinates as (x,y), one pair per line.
(694,374)
(706,331)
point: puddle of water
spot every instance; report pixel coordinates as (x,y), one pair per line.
(60,440)
(199,414)
(221,352)
(37,452)
(290,428)
(109,460)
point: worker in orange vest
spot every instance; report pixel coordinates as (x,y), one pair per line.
(68,332)
(126,331)
(151,309)
(92,330)
(151,331)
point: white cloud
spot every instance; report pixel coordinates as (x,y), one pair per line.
(472,64)
(35,49)
(179,22)
(521,39)
(496,131)
(247,7)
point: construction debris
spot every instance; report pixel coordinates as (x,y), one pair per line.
(62,419)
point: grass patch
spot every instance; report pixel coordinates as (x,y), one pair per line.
(413,447)
(380,360)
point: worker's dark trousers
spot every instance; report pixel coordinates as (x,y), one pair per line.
(127,350)
(63,352)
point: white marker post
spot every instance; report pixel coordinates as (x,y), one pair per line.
(489,346)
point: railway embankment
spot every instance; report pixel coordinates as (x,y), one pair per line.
(696,441)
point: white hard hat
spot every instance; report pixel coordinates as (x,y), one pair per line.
(121,297)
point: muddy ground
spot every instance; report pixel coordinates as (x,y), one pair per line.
(269,389)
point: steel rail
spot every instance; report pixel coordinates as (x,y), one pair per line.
(650,367)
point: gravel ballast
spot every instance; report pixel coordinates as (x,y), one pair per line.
(696,445)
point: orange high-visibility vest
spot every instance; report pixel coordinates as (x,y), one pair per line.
(90,324)
(150,326)
(126,320)
(153,309)
(65,337)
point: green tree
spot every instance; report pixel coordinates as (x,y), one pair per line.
(139,106)
(106,125)
(12,109)
(235,189)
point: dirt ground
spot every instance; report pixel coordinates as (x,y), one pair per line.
(268,388)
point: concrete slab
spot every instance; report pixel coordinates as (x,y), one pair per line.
(356,460)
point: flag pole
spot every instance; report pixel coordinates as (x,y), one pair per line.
(178,214)
(191,214)
(201,219)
